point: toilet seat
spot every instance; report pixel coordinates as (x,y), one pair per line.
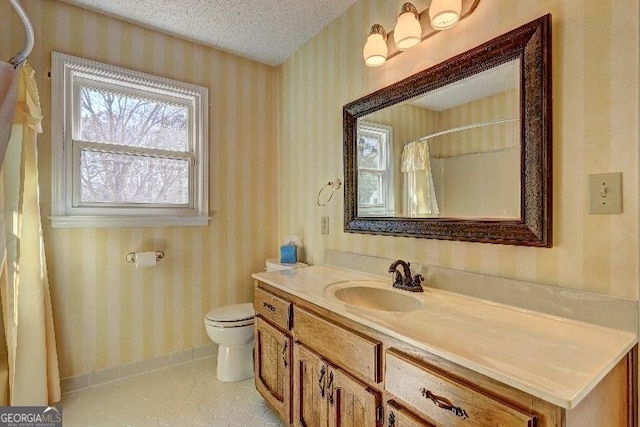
(231,316)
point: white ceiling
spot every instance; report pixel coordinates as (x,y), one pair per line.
(478,86)
(268,31)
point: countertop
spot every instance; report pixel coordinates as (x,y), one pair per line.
(558,360)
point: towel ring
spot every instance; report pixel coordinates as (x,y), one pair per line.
(334,185)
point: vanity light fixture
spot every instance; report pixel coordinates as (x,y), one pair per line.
(375,49)
(408,31)
(412,27)
(444,13)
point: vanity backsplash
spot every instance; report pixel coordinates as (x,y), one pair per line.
(599,309)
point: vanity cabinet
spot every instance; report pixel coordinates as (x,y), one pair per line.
(273,367)
(345,348)
(318,368)
(273,351)
(309,388)
(326,358)
(351,403)
(327,396)
(446,401)
(398,416)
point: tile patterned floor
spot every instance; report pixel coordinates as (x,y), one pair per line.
(181,395)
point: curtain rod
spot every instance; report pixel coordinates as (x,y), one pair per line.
(28,29)
(459,128)
(476,153)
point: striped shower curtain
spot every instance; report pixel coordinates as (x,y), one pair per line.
(29,373)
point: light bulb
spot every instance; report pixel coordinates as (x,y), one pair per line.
(375,49)
(408,31)
(444,13)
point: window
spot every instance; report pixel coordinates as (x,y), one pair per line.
(375,174)
(129,149)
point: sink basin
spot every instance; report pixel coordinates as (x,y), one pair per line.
(374,295)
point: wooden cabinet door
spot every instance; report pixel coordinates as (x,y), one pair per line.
(273,367)
(397,416)
(351,403)
(310,374)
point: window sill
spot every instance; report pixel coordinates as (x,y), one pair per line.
(379,213)
(127,221)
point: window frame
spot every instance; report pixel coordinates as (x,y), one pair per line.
(385,133)
(69,73)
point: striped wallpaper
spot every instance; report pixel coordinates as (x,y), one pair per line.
(595,129)
(106,312)
(282,128)
(501,106)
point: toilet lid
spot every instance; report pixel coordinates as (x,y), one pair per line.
(232,313)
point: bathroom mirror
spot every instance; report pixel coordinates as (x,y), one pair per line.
(460,151)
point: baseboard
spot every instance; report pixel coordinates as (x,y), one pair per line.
(73,384)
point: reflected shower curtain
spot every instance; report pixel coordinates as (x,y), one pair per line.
(31,360)
(417,181)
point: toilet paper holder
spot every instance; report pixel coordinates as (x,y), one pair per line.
(131,257)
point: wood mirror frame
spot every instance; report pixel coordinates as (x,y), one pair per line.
(531,44)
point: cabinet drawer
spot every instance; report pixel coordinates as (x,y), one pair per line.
(397,416)
(272,308)
(445,400)
(360,355)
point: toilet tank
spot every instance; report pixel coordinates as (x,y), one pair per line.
(273,264)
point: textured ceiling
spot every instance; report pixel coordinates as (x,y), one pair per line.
(268,31)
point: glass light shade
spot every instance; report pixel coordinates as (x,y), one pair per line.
(375,50)
(407,32)
(444,13)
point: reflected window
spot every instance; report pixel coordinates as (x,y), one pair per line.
(375,174)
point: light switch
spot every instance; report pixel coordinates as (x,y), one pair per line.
(324,225)
(605,193)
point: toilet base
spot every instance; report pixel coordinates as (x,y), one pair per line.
(235,363)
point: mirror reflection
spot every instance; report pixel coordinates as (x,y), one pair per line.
(454,152)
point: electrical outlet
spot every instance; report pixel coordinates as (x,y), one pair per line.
(324,225)
(605,193)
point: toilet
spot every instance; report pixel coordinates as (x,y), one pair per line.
(231,327)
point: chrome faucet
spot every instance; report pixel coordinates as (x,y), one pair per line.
(407,282)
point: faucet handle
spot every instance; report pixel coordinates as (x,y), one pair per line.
(417,280)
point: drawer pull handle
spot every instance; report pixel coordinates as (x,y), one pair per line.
(392,419)
(323,372)
(446,404)
(269,306)
(284,350)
